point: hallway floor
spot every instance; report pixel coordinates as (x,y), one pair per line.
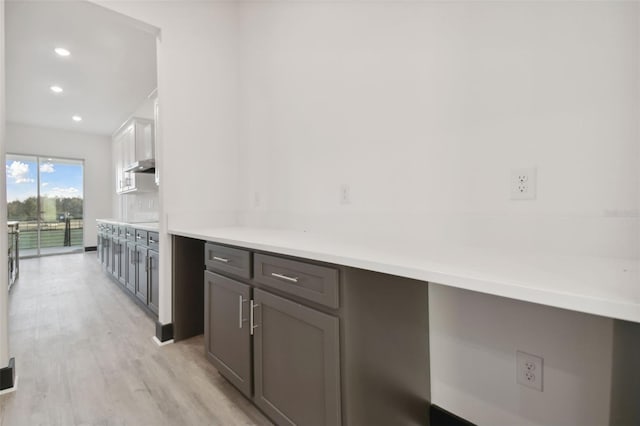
(85,356)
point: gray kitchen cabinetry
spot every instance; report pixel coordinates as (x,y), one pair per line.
(153,276)
(317,344)
(226,329)
(296,362)
(131,261)
(99,245)
(142,266)
(132,258)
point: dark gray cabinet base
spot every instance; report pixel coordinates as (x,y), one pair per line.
(366,362)
(131,262)
(296,362)
(226,329)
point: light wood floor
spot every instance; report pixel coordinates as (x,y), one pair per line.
(84,356)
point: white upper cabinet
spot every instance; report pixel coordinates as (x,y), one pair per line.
(134,142)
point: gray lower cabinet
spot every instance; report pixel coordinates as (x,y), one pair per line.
(115,257)
(142,267)
(318,344)
(131,274)
(132,258)
(296,362)
(153,277)
(122,261)
(99,246)
(227,329)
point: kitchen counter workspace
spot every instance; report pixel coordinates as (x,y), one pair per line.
(147,226)
(608,287)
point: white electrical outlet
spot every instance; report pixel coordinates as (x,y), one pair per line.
(529,370)
(523,184)
(345,194)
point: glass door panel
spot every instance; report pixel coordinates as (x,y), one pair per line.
(22,201)
(61,205)
(45,195)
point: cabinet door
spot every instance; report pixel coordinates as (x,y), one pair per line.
(142,266)
(99,248)
(226,329)
(144,140)
(106,252)
(296,362)
(129,150)
(115,261)
(154,262)
(122,261)
(131,274)
(118,159)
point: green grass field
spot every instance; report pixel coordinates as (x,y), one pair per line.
(49,238)
(51,234)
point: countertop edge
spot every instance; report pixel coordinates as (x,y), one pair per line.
(145,226)
(570,301)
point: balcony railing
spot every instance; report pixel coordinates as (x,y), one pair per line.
(52,234)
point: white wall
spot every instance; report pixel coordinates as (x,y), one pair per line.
(4,294)
(95,150)
(423,108)
(197,141)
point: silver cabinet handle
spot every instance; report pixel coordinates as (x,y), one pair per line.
(138,237)
(151,240)
(284,277)
(128,234)
(221,259)
(252,317)
(240,318)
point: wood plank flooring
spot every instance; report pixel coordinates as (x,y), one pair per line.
(84,356)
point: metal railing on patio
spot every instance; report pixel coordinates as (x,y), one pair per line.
(52,234)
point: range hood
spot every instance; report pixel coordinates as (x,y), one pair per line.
(143,166)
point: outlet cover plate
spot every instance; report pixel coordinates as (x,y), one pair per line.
(523,184)
(529,370)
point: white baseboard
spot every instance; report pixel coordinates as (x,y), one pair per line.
(13,389)
(159,343)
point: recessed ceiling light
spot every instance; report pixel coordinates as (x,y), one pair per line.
(61,51)
(56,89)
(76,118)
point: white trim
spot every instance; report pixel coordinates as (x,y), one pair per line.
(13,389)
(159,343)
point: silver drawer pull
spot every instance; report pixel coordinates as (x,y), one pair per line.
(221,259)
(284,277)
(151,241)
(138,237)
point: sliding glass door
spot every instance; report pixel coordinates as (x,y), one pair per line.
(46,197)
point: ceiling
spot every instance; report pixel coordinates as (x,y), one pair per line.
(111,69)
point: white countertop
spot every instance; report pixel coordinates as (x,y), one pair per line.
(147,226)
(608,287)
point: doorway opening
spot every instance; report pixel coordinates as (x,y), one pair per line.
(45,204)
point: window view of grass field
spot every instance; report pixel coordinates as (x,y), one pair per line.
(45,197)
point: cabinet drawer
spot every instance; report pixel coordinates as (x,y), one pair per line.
(227,259)
(129,233)
(141,236)
(154,240)
(312,282)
